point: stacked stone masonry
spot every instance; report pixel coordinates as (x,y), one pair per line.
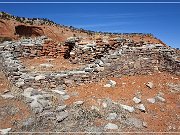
(122,57)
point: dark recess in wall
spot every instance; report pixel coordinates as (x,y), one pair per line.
(28,31)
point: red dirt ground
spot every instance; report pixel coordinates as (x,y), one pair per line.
(158,116)
(59,64)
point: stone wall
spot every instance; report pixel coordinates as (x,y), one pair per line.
(114,61)
(37,47)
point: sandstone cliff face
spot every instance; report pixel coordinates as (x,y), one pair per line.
(15,27)
(6,30)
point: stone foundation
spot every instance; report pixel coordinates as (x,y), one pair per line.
(101,61)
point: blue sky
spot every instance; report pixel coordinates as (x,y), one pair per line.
(162,20)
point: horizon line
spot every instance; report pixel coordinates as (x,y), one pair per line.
(64,2)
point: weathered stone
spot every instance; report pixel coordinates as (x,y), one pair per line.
(111,126)
(104,105)
(137,100)
(174,87)
(20,84)
(36,106)
(135,122)
(150,85)
(141,107)
(46,65)
(145,124)
(110,83)
(159,98)
(128,108)
(94,108)
(112,116)
(7,96)
(59,92)
(99,62)
(44,103)
(89,69)
(6,91)
(107,85)
(5,131)
(99,69)
(27,92)
(61,108)
(28,123)
(151,100)
(79,102)
(61,116)
(40,77)
(35,92)
(65,97)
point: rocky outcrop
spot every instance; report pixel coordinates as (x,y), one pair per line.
(5,29)
(11,27)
